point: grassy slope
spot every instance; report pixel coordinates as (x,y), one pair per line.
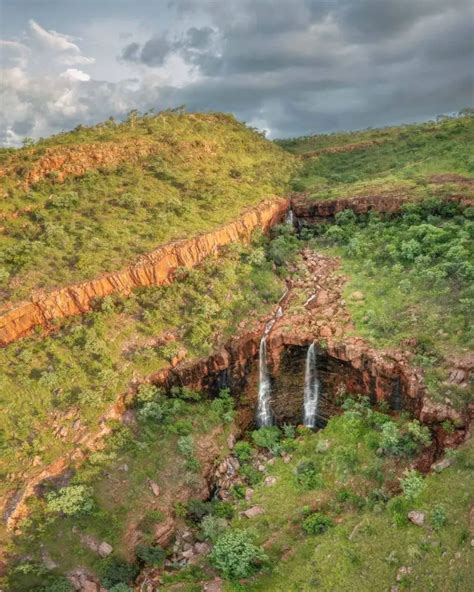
(203,171)
(76,373)
(124,506)
(440,559)
(415,271)
(83,366)
(405,162)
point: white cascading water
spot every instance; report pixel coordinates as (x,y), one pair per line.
(311,389)
(264,414)
(264,417)
(290,218)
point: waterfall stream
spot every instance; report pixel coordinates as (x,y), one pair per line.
(290,217)
(264,416)
(311,389)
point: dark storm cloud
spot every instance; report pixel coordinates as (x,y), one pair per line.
(291,66)
(322,65)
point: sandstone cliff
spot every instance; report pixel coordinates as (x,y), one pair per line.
(154,269)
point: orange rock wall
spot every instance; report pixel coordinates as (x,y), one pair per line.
(154,269)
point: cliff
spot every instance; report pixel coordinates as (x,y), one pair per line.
(313,211)
(154,269)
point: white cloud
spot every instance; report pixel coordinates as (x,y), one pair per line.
(62,45)
(75,74)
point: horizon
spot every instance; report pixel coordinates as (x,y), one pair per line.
(309,67)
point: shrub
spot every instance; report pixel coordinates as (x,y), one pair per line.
(289,431)
(316,523)
(438,517)
(186,445)
(399,508)
(120,588)
(251,474)
(193,465)
(153,556)
(235,555)
(223,510)
(116,571)
(243,451)
(196,510)
(307,475)
(212,527)
(412,484)
(390,440)
(223,406)
(71,500)
(57,584)
(419,433)
(267,438)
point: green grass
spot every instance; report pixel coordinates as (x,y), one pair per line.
(50,382)
(415,273)
(204,171)
(403,163)
(124,506)
(370,539)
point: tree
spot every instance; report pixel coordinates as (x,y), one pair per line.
(236,556)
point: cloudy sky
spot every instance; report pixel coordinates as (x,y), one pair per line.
(290,67)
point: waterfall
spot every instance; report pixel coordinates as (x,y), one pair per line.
(290,218)
(311,389)
(264,417)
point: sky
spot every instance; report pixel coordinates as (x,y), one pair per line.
(290,67)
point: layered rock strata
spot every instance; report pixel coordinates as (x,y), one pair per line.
(154,269)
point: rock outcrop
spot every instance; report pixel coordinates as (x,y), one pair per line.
(59,162)
(154,269)
(313,211)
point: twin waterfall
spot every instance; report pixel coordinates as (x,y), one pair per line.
(311,387)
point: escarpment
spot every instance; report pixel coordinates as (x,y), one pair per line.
(346,364)
(65,161)
(154,269)
(313,211)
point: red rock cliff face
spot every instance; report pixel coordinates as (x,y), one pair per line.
(311,211)
(154,269)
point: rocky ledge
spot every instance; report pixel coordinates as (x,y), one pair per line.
(154,269)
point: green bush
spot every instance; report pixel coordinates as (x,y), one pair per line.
(268,438)
(316,523)
(186,445)
(438,517)
(236,556)
(120,588)
(308,476)
(57,584)
(243,451)
(251,475)
(71,500)
(212,527)
(412,484)
(114,571)
(153,556)
(223,406)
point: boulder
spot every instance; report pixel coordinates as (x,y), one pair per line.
(416,517)
(253,511)
(164,532)
(155,488)
(270,480)
(105,549)
(441,465)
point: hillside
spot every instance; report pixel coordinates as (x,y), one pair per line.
(166,279)
(91,201)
